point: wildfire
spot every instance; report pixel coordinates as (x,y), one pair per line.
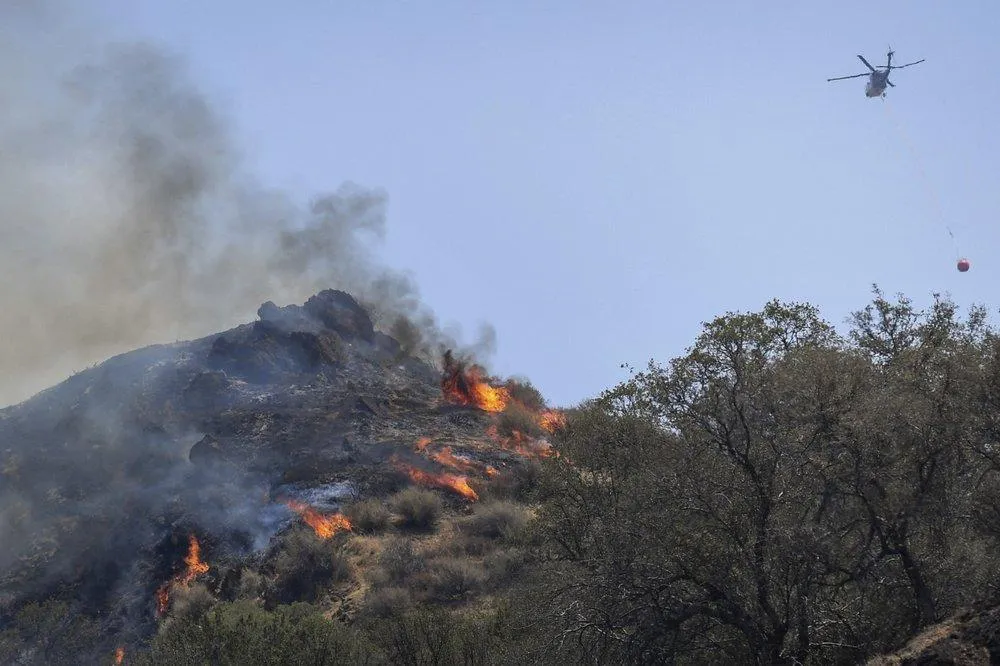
(194,567)
(120,655)
(423,443)
(448,459)
(325,526)
(467,386)
(521,444)
(454,482)
(551,419)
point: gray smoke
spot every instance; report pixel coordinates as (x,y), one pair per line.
(126,217)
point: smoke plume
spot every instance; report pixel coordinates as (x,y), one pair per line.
(127,218)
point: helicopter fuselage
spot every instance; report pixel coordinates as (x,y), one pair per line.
(876,84)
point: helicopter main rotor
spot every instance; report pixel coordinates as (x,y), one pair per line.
(888,67)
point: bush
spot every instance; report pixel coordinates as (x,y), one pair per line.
(418,509)
(190,602)
(524,392)
(51,630)
(387,602)
(251,585)
(516,482)
(398,562)
(307,564)
(502,566)
(243,633)
(369,517)
(517,418)
(452,579)
(495,520)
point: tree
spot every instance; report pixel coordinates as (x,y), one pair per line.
(779,493)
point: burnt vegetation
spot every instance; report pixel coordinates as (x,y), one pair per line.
(781,493)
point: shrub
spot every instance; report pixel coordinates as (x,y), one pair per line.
(517,418)
(452,579)
(418,509)
(387,602)
(369,517)
(398,562)
(502,566)
(516,482)
(251,585)
(244,633)
(190,602)
(307,564)
(495,520)
(524,392)
(434,636)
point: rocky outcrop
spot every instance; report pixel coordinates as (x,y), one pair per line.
(971,638)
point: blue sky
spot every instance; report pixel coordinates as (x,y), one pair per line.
(596,179)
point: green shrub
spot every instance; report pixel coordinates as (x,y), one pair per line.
(495,520)
(453,579)
(524,392)
(419,509)
(370,516)
(398,562)
(307,565)
(516,418)
(387,602)
(243,633)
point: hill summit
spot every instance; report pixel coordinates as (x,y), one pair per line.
(179,463)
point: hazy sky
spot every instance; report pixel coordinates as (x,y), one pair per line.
(597,178)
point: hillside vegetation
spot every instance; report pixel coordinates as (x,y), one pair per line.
(779,494)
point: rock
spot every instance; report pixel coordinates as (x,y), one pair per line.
(338,311)
(207,451)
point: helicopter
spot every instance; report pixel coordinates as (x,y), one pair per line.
(877,78)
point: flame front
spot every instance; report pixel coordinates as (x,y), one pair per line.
(467,386)
(448,459)
(550,420)
(454,482)
(194,567)
(521,444)
(324,526)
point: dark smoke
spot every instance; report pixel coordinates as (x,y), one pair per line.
(126,217)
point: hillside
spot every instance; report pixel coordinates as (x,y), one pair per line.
(227,464)
(301,489)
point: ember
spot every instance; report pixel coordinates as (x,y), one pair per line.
(324,526)
(467,386)
(194,567)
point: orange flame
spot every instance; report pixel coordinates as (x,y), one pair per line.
(194,567)
(550,420)
(324,526)
(454,482)
(120,655)
(422,443)
(521,444)
(448,459)
(467,386)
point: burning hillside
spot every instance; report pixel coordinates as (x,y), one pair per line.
(237,436)
(467,385)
